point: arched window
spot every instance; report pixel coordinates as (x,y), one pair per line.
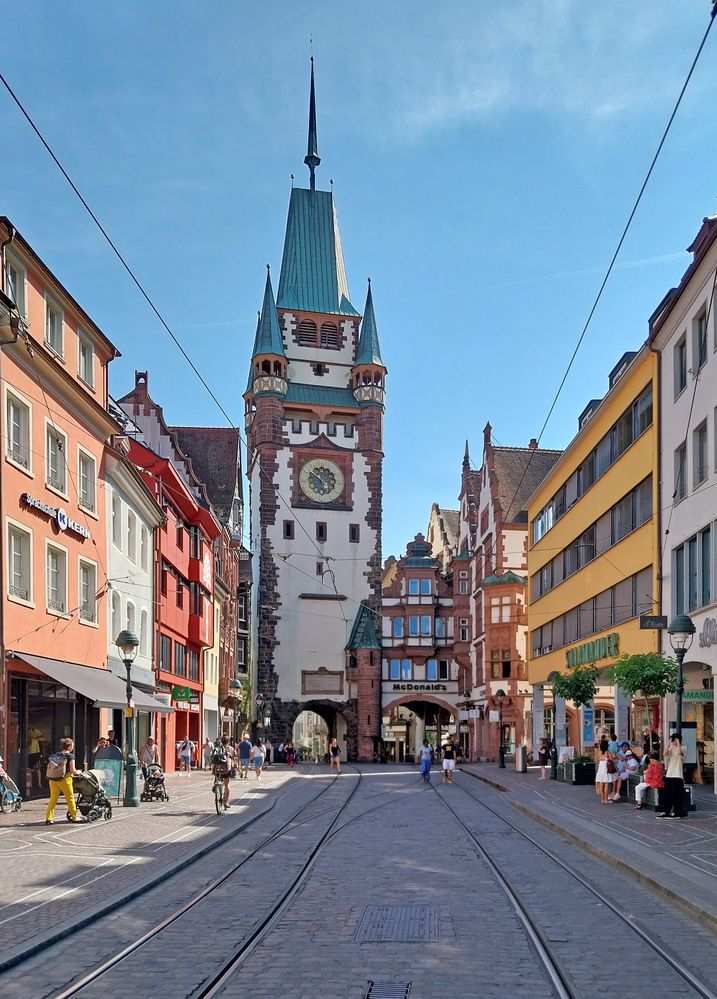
(116,615)
(277,368)
(330,336)
(143,633)
(306,334)
(266,367)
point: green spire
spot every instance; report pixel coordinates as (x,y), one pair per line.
(312,158)
(268,335)
(363,633)
(369,351)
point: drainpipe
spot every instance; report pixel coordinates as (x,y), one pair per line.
(4,692)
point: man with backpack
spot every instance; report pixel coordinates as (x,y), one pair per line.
(223,760)
(60,768)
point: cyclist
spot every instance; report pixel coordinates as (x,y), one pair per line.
(223,759)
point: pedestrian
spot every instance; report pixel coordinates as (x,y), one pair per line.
(612,745)
(60,768)
(425,755)
(258,752)
(185,756)
(280,755)
(335,754)
(674,780)
(148,754)
(223,759)
(449,760)
(289,750)
(603,776)
(244,757)
(206,754)
(269,752)
(543,758)
(654,776)
(604,743)
(626,763)
(101,744)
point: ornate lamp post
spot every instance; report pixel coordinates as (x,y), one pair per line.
(259,701)
(554,740)
(681,632)
(500,697)
(127,644)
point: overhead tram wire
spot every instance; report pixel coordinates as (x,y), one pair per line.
(611,265)
(148,300)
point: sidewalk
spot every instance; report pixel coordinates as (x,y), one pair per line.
(678,858)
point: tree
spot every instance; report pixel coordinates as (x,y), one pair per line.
(578,686)
(648,673)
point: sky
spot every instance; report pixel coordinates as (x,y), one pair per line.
(485,157)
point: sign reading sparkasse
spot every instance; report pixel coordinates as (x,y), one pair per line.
(58,514)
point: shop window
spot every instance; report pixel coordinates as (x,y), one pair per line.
(56,449)
(19,563)
(87,475)
(180,661)
(88,592)
(18,432)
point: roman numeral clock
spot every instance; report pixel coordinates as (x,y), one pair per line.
(321,480)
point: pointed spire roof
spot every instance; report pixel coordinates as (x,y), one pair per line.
(466,455)
(268,335)
(363,633)
(369,350)
(312,158)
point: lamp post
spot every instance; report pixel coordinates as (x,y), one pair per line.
(259,701)
(128,643)
(500,697)
(554,740)
(681,631)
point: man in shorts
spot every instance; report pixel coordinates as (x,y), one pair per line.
(244,757)
(223,769)
(449,760)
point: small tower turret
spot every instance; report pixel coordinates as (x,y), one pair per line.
(268,360)
(368,375)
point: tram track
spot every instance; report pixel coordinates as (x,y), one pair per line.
(251,940)
(553,963)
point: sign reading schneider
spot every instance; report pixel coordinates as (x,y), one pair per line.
(599,648)
(57,514)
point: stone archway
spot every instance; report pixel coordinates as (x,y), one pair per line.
(285,714)
(423,716)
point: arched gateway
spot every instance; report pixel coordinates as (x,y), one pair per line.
(413,718)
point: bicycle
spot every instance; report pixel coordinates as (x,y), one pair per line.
(218,790)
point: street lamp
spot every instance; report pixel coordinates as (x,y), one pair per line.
(259,701)
(500,696)
(554,741)
(128,643)
(681,630)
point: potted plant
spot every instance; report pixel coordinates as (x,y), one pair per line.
(648,673)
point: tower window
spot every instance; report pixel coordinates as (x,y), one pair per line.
(319,568)
(330,336)
(354,533)
(321,531)
(306,334)
(289,530)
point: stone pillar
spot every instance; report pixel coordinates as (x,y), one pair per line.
(538,717)
(622,714)
(420,735)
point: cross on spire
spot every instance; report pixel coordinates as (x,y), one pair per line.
(312,158)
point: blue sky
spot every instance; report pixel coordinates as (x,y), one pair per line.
(485,157)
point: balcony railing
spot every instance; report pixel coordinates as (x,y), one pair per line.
(87,503)
(56,605)
(56,483)
(88,614)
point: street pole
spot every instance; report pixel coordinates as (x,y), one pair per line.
(501,746)
(131,798)
(680,653)
(554,745)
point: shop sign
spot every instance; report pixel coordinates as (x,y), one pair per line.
(58,514)
(181,694)
(698,695)
(194,697)
(599,648)
(708,635)
(426,687)
(162,697)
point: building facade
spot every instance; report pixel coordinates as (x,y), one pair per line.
(594,554)
(314,421)
(684,333)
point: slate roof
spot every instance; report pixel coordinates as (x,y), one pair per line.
(313,276)
(321,395)
(214,454)
(369,350)
(510,466)
(451,524)
(363,633)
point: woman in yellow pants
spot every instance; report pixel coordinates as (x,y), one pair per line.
(60,768)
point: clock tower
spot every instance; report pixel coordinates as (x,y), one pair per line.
(314,420)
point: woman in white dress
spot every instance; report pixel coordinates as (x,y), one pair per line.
(603,779)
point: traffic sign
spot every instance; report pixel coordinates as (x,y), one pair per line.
(653,622)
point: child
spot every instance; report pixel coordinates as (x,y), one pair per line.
(603,779)
(653,777)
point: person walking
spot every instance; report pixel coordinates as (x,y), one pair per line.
(148,754)
(207,754)
(223,761)
(289,750)
(185,756)
(269,751)
(60,769)
(674,780)
(543,759)
(449,760)
(335,756)
(425,755)
(258,753)
(244,757)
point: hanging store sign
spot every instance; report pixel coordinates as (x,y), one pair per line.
(58,514)
(698,695)
(181,694)
(599,648)
(708,635)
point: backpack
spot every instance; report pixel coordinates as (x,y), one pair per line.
(56,766)
(219,755)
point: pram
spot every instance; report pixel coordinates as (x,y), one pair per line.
(92,802)
(10,799)
(154,789)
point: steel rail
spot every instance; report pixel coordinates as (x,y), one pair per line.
(659,949)
(102,969)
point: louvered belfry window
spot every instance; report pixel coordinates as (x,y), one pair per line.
(330,336)
(307,333)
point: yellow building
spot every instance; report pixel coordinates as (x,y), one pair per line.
(594,551)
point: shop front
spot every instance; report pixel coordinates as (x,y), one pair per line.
(698,711)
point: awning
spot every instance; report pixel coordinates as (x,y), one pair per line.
(99,685)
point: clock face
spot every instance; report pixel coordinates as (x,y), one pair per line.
(321,480)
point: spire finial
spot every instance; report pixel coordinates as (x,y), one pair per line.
(312,158)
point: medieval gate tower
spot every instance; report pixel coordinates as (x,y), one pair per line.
(314,421)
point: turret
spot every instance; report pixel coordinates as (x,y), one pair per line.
(368,375)
(268,361)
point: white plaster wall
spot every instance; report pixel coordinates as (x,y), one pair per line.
(302,371)
(313,354)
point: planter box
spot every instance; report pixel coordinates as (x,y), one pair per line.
(576,773)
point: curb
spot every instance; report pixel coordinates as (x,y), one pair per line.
(59,931)
(486,780)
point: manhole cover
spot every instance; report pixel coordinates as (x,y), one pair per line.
(398,923)
(388,990)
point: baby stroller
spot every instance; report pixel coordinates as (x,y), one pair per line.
(92,802)
(10,800)
(154,789)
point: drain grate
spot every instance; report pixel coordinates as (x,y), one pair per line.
(398,924)
(388,990)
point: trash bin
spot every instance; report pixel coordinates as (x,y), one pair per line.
(521,760)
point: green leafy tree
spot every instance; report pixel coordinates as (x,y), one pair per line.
(646,673)
(578,686)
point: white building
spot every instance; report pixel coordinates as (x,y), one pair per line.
(684,332)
